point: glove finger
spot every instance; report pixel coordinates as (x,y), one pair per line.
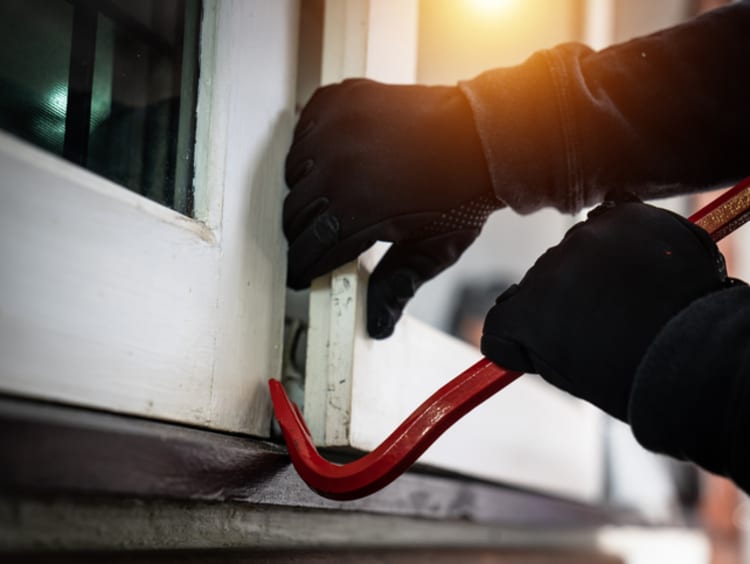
(318,250)
(297,169)
(305,124)
(403,269)
(324,104)
(511,328)
(303,204)
(499,348)
(313,110)
(304,250)
(507,353)
(323,99)
(305,214)
(301,159)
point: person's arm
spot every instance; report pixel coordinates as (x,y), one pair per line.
(634,312)
(691,393)
(423,167)
(658,115)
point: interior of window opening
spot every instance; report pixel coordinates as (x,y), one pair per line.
(109,85)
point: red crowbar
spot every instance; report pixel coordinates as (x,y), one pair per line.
(442,409)
(725,213)
(401,449)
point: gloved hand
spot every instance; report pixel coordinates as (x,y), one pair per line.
(375,162)
(584,315)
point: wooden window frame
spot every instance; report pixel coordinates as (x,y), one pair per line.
(112,301)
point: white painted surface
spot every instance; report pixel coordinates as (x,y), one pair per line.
(330,339)
(112,301)
(358,390)
(599,23)
(528,434)
(742,518)
(392,41)
(254,75)
(93,310)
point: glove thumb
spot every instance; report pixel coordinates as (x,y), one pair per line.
(503,349)
(403,269)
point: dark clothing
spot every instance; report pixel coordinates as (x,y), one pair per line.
(660,115)
(663,114)
(691,394)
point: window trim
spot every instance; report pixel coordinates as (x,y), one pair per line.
(183,320)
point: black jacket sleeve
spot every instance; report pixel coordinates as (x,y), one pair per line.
(691,394)
(663,114)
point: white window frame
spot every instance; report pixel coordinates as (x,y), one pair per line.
(112,301)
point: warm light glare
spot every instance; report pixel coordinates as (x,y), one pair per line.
(492,6)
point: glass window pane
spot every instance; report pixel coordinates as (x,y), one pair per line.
(109,85)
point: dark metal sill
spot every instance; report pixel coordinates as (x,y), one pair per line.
(58,450)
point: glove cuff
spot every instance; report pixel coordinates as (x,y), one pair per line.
(690,394)
(522,116)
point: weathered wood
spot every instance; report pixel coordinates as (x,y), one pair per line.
(360,39)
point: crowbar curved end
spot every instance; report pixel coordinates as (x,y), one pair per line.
(401,449)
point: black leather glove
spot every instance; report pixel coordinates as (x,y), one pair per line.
(584,315)
(375,162)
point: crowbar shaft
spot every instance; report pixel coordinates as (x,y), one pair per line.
(442,409)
